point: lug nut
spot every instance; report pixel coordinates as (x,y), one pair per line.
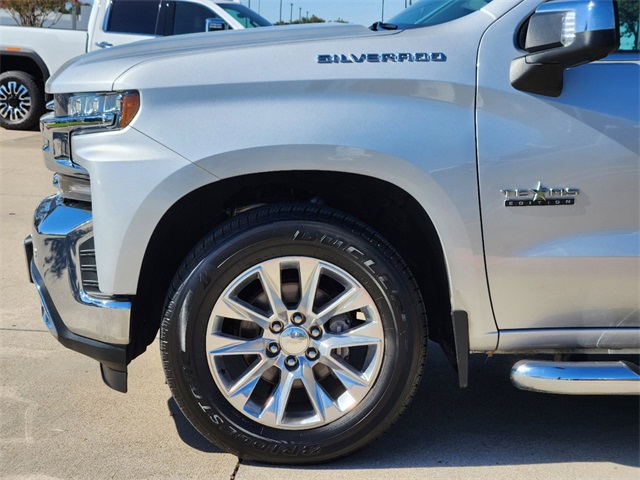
(291,362)
(313,353)
(273,348)
(297,318)
(277,326)
(315,332)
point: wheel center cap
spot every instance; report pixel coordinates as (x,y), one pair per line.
(294,340)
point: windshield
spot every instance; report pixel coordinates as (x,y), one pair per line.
(434,12)
(245,17)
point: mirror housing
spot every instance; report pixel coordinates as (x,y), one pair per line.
(562,34)
(215,25)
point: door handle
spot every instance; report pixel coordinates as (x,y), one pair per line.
(104,44)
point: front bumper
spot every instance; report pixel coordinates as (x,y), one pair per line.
(91,323)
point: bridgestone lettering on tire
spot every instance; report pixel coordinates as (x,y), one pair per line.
(21,101)
(293,334)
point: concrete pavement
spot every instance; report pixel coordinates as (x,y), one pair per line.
(58,421)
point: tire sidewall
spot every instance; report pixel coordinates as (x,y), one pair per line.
(208,408)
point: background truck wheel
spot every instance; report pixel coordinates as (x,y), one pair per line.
(21,101)
(293,334)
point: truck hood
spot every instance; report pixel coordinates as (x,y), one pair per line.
(97,71)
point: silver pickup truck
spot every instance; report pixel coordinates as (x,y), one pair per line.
(297,210)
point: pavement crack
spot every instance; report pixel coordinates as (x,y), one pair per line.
(9,329)
(235,470)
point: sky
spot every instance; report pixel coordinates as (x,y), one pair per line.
(364,12)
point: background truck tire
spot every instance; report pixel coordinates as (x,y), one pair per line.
(293,334)
(21,101)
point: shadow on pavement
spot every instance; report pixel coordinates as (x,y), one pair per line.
(490,423)
(187,433)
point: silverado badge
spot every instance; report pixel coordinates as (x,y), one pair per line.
(383,57)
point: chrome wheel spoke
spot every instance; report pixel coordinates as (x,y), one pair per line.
(319,399)
(354,298)
(269,273)
(22,92)
(309,271)
(223,345)
(275,410)
(349,377)
(19,112)
(237,309)
(247,382)
(367,334)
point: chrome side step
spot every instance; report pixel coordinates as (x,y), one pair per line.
(577,378)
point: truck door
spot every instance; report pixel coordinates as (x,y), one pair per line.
(559,183)
(126,21)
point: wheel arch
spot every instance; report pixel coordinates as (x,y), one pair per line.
(387,208)
(24,61)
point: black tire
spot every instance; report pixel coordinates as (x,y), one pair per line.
(344,250)
(21,101)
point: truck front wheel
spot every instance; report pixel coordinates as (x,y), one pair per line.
(293,334)
(21,101)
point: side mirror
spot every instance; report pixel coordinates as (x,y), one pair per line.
(562,34)
(215,25)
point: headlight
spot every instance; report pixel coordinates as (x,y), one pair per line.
(85,110)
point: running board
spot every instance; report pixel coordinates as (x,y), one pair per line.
(577,378)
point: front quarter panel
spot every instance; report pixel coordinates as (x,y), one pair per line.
(135,180)
(410,123)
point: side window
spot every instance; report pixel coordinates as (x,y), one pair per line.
(629,13)
(133,16)
(190,18)
(245,17)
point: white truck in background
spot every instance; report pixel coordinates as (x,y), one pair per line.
(30,55)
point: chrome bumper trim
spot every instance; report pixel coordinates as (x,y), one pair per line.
(73,187)
(56,147)
(59,230)
(28,252)
(113,358)
(47,318)
(104,120)
(577,378)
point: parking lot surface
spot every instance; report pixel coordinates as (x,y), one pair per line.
(58,421)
